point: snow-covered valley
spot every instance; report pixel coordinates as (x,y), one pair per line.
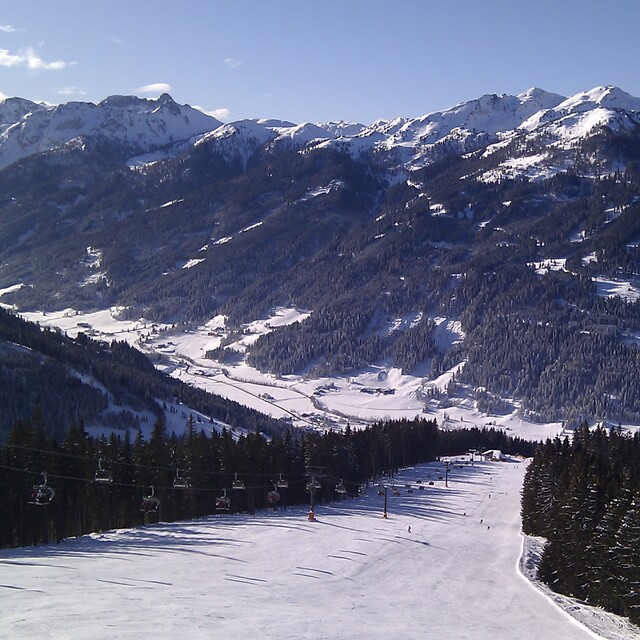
(376,393)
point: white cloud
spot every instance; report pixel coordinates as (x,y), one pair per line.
(156,87)
(220,114)
(28,58)
(232,63)
(7,28)
(71,91)
(9,60)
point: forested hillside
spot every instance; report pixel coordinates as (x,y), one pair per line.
(582,496)
(60,382)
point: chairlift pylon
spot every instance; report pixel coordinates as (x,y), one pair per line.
(313,484)
(313,473)
(42,494)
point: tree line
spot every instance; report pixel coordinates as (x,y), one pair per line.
(210,463)
(582,496)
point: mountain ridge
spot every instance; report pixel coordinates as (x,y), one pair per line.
(27,127)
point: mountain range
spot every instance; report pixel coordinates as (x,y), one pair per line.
(516,215)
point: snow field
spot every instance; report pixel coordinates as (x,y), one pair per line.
(351,574)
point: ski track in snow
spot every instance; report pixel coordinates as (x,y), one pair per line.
(351,574)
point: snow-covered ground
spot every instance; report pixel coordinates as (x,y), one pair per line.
(351,574)
(376,393)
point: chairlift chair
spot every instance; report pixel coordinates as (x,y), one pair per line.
(223,502)
(103,475)
(180,482)
(150,503)
(42,494)
(273,496)
(237,484)
(340,488)
(282,483)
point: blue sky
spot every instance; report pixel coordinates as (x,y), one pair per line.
(301,60)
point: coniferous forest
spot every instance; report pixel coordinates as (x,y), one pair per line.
(101,484)
(582,496)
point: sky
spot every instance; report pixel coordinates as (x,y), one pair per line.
(311,61)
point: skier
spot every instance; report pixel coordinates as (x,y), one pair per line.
(409,529)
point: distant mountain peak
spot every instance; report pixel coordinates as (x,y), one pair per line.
(141,124)
(608,97)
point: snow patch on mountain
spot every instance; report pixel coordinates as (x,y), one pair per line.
(192,263)
(324,190)
(617,288)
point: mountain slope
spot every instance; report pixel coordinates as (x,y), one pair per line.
(516,215)
(52,381)
(377,579)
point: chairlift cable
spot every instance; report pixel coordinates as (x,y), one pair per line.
(135,486)
(116,462)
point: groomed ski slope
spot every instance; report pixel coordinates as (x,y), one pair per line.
(351,574)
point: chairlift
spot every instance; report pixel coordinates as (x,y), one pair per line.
(313,484)
(223,502)
(282,483)
(340,488)
(237,484)
(273,496)
(102,475)
(179,482)
(42,494)
(150,503)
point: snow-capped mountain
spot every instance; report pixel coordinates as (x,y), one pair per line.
(514,216)
(141,125)
(145,126)
(473,125)
(576,116)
